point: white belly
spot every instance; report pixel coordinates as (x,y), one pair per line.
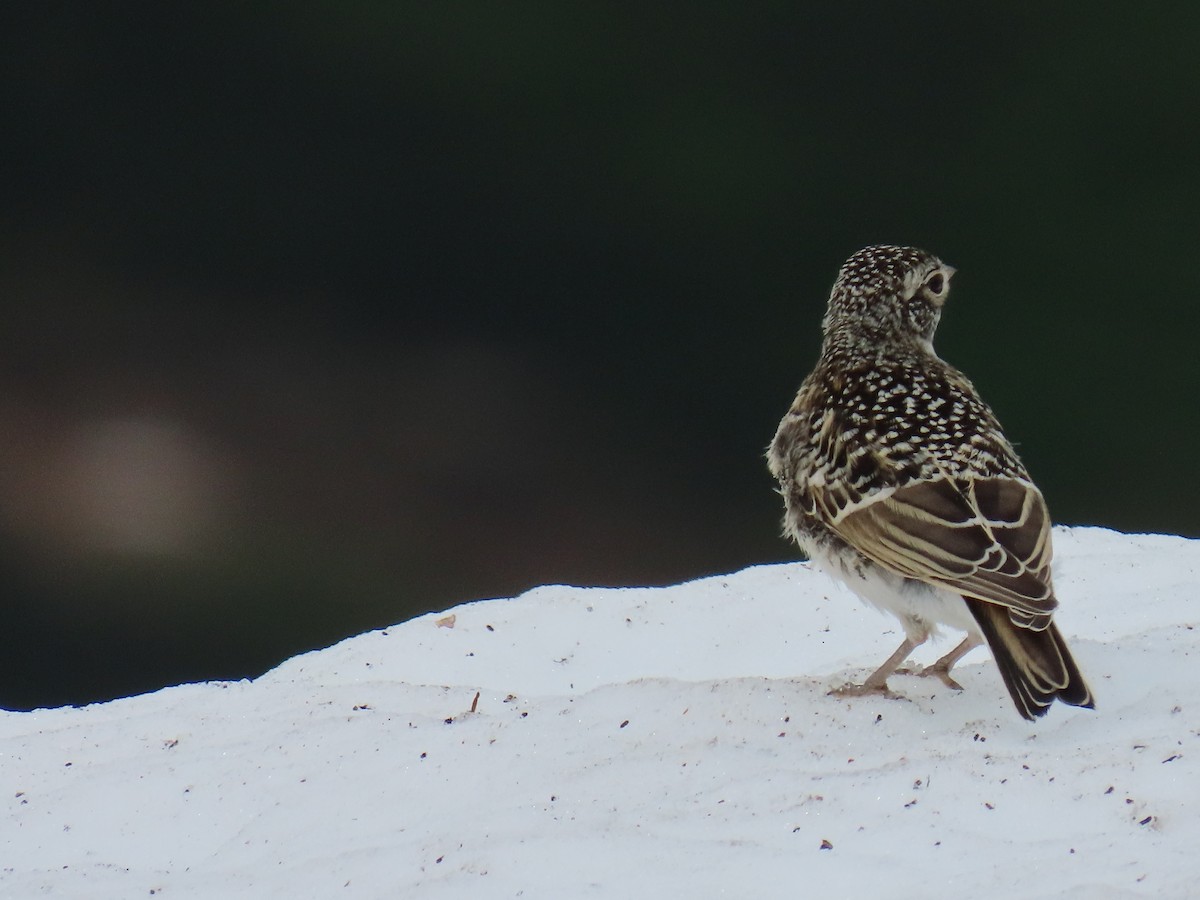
(920,607)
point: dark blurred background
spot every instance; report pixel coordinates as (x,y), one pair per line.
(318,316)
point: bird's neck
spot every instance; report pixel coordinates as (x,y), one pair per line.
(868,341)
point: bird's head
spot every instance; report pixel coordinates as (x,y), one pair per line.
(888,293)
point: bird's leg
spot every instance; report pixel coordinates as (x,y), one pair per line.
(876,683)
(942,667)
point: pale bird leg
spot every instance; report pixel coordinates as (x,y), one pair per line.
(876,683)
(942,667)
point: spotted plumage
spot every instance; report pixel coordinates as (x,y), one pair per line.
(898,479)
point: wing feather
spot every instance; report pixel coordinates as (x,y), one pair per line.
(987,538)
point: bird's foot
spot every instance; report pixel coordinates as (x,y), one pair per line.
(942,667)
(865,690)
(941,671)
(937,669)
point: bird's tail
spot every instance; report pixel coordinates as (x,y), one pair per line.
(1036,665)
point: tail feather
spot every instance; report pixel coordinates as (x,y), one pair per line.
(1035,664)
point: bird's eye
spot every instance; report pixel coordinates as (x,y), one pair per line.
(936,283)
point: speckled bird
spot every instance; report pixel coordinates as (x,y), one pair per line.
(898,480)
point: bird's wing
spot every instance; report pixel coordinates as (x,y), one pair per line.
(987,538)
